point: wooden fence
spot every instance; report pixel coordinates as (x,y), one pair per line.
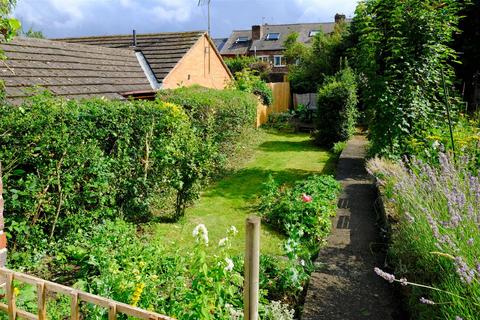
(77,296)
(281,102)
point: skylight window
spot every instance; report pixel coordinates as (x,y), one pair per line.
(273,36)
(241,39)
(313,33)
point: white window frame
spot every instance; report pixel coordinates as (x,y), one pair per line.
(268,36)
(264,58)
(282,61)
(313,33)
(241,41)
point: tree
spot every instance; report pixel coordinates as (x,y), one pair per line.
(30,33)
(310,65)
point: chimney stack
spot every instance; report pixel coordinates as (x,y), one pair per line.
(257,32)
(340,18)
(134,38)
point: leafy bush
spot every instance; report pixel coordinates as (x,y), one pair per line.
(401,49)
(435,239)
(303,211)
(241,63)
(337,113)
(280,121)
(338,147)
(248,81)
(466,135)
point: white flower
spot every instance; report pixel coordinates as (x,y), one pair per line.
(222,242)
(200,233)
(230,264)
(435,144)
(233,230)
(302,263)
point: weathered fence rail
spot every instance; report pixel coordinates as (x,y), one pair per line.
(43,287)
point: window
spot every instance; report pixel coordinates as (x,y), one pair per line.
(273,36)
(278,61)
(241,39)
(313,33)
(264,58)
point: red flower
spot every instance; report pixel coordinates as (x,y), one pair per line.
(306,198)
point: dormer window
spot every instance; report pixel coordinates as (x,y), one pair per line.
(241,39)
(313,33)
(273,36)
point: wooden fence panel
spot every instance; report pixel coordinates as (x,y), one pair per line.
(281,102)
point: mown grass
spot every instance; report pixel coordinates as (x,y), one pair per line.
(287,157)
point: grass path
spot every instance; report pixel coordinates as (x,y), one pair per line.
(287,157)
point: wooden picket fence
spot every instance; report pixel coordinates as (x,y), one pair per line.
(281,102)
(44,287)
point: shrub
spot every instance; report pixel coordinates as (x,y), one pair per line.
(280,121)
(337,113)
(435,239)
(70,163)
(241,63)
(220,116)
(302,211)
(248,81)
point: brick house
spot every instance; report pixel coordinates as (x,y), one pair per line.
(266,42)
(175,58)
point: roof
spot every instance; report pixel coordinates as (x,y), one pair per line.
(303,29)
(69,70)
(233,48)
(220,42)
(161,50)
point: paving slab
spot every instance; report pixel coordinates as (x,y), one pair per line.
(344,285)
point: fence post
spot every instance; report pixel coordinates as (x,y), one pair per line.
(3,238)
(252,266)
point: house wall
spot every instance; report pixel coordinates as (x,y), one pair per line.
(202,66)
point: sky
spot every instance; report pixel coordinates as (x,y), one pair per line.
(72,18)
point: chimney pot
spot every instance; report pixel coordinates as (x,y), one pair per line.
(134,38)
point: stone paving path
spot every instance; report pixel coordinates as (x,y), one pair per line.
(345,286)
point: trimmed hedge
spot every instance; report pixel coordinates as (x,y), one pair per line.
(222,115)
(71,163)
(337,113)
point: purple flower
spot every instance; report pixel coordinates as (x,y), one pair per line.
(403,281)
(466,274)
(387,276)
(426,301)
(458,318)
(470,242)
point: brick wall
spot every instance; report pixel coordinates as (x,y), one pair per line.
(202,66)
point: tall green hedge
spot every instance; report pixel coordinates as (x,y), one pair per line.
(337,109)
(70,163)
(222,115)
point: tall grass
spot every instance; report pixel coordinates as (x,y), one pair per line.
(435,239)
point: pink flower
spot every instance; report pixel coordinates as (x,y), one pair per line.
(306,198)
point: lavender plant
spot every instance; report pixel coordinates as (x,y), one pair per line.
(436,240)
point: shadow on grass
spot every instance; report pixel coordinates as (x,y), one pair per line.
(285,146)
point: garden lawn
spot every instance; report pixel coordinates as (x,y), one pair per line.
(287,157)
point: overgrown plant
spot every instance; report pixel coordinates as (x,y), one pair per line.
(435,243)
(401,48)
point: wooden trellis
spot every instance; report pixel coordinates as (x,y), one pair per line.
(77,296)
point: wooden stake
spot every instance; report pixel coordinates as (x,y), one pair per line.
(74,305)
(42,301)
(12,309)
(252,267)
(112,312)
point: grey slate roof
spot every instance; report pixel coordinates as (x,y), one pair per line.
(161,50)
(69,70)
(220,42)
(303,29)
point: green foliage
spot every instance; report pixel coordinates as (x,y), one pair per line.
(306,223)
(241,63)
(220,116)
(248,81)
(68,163)
(310,65)
(280,121)
(435,239)
(337,109)
(466,133)
(338,147)
(401,48)
(8,26)
(30,33)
